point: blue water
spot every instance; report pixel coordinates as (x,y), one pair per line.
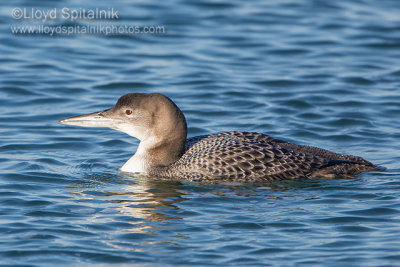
(323,73)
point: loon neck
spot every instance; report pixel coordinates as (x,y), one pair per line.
(152,153)
(163,152)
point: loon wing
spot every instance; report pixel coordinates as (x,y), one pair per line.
(255,157)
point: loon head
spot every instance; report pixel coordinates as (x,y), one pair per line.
(152,118)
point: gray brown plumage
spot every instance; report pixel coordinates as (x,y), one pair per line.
(254,157)
(164,151)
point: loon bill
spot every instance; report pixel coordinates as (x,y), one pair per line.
(229,156)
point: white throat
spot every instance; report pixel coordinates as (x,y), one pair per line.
(140,161)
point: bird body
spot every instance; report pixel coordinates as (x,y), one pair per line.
(253,157)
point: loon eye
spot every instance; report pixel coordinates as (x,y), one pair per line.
(128,112)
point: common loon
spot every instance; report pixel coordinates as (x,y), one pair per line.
(229,156)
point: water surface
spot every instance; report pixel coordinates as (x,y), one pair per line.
(311,72)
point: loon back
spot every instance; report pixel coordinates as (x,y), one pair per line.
(232,156)
(254,157)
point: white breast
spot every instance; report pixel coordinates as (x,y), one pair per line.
(135,164)
(140,161)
